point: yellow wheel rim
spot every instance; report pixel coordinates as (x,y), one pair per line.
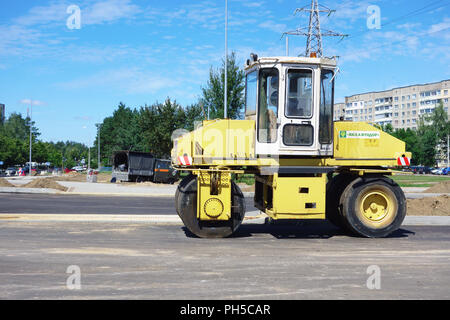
(377,207)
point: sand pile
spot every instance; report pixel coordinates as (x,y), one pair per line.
(72,176)
(246,188)
(442,187)
(144,184)
(82,177)
(47,183)
(433,206)
(6,183)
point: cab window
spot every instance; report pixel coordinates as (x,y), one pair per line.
(268,105)
(298,135)
(250,94)
(299,94)
(326,107)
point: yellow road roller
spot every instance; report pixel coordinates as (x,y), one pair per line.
(305,165)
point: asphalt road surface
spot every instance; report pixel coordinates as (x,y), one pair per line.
(264,262)
(75,204)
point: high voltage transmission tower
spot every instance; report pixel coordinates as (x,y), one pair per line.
(314,34)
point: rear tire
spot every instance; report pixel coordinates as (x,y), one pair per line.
(373,207)
(186,205)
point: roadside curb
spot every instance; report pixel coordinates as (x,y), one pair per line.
(426,221)
(143,195)
(19,190)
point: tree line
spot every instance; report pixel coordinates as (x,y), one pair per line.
(429,142)
(15,145)
(149,128)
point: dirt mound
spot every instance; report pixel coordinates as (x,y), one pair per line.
(442,187)
(433,206)
(5,183)
(47,183)
(246,188)
(72,176)
(82,177)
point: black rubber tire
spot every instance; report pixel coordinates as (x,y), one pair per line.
(335,188)
(186,206)
(182,186)
(139,179)
(349,200)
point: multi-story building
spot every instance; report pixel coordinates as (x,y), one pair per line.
(2,113)
(339,111)
(401,107)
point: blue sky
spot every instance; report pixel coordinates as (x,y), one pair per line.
(139,52)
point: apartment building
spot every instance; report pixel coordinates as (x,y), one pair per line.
(339,111)
(401,107)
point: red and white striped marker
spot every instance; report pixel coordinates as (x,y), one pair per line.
(403,161)
(185,160)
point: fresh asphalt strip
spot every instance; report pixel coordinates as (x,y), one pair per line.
(254,217)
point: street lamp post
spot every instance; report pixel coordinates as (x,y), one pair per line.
(31,136)
(98,134)
(226,62)
(448,151)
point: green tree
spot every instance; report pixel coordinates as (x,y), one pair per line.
(193,113)
(158,122)
(213,93)
(410,138)
(427,140)
(15,139)
(119,132)
(440,125)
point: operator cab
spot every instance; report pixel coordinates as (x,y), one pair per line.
(291,99)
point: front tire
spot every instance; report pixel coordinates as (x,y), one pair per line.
(335,188)
(186,206)
(373,207)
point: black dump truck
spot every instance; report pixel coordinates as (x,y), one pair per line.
(130,166)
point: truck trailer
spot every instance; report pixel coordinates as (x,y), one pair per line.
(130,166)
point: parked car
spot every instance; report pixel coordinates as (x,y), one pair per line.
(437,171)
(78,169)
(420,169)
(11,171)
(446,171)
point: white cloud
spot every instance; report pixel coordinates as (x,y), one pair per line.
(34,102)
(253,4)
(109,11)
(409,26)
(41,15)
(438,27)
(273,26)
(127,80)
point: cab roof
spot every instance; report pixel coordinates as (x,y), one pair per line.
(329,62)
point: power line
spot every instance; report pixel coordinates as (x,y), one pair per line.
(404,40)
(431,6)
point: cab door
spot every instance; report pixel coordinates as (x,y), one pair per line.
(267,115)
(299,119)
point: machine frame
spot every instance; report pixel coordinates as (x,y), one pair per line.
(345,181)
